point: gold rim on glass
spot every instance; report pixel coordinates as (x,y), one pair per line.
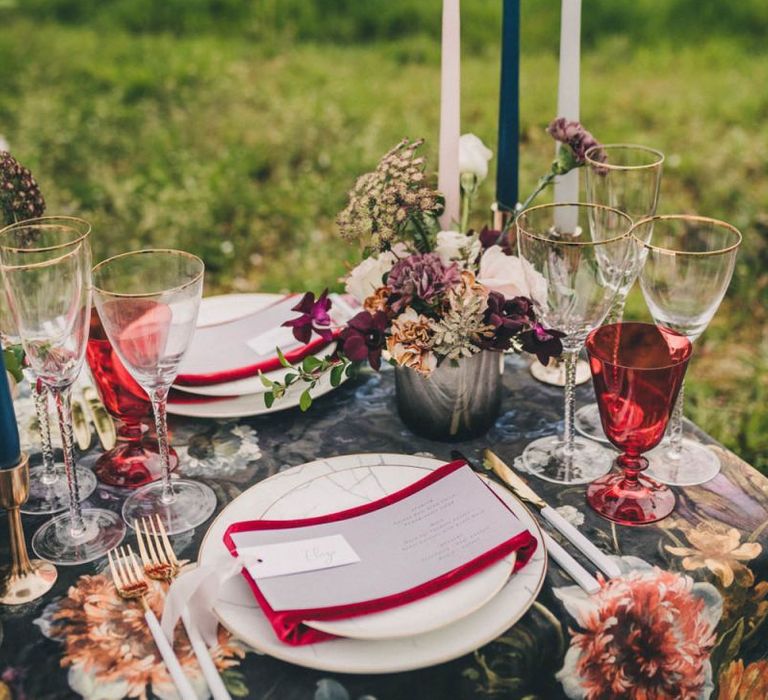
(625,146)
(687,217)
(146,251)
(554,205)
(71,222)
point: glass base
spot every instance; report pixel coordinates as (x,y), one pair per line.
(648,502)
(45,499)
(545,459)
(587,423)
(132,464)
(554,372)
(696,464)
(55,542)
(193,504)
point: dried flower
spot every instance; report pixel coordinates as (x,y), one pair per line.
(574,135)
(20,197)
(411,341)
(383,202)
(378,301)
(462,329)
(314,317)
(420,276)
(364,338)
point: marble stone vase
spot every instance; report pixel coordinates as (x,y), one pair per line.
(459,400)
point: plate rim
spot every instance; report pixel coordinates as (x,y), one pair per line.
(283,652)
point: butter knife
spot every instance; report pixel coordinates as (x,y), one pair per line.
(105,426)
(80,426)
(557,521)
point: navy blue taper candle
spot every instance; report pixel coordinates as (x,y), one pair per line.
(509,107)
(10,451)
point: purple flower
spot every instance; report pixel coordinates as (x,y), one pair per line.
(314,317)
(364,338)
(420,276)
(573,134)
(489,237)
(509,317)
(542,342)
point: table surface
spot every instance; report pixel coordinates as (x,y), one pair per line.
(691,616)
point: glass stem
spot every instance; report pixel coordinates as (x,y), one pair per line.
(63,399)
(40,398)
(159,398)
(616,312)
(570,357)
(676,427)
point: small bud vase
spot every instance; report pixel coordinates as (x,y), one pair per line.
(459,400)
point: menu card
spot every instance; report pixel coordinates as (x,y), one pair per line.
(405,546)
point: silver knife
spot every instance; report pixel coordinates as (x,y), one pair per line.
(557,521)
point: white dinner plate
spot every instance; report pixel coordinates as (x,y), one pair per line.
(335,484)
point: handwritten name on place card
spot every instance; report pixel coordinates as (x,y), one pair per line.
(312,554)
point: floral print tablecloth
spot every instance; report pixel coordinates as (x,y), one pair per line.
(688,619)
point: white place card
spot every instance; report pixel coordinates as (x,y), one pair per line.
(401,546)
(296,556)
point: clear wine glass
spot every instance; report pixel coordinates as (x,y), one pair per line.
(148,303)
(48,491)
(574,257)
(46,271)
(626,177)
(688,267)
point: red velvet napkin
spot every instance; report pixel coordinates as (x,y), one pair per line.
(288,624)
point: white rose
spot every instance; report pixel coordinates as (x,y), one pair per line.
(453,246)
(511,276)
(366,278)
(474,156)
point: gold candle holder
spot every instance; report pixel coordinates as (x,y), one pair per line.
(25,579)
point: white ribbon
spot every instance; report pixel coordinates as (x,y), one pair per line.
(198,590)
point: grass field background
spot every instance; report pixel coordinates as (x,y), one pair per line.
(234,130)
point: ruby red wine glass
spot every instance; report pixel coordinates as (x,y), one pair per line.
(135,460)
(637,370)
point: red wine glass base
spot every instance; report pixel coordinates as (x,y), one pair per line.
(630,503)
(132,464)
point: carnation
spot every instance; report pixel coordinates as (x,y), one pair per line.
(420,277)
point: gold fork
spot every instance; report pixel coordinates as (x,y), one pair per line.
(160,563)
(131,585)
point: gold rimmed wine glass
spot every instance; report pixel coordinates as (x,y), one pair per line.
(626,177)
(46,266)
(689,262)
(574,258)
(148,303)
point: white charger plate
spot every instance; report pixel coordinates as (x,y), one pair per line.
(330,485)
(249,392)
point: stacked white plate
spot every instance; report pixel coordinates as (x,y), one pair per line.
(430,631)
(243,397)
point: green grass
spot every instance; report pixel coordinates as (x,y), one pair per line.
(243,150)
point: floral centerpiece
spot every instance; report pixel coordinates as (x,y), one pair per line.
(433,301)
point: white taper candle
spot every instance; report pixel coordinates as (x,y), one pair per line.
(450,102)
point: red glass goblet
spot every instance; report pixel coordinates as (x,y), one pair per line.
(637,370)
(135,460)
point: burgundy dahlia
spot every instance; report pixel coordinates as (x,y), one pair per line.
(420,276)
(314,317)
(364,338)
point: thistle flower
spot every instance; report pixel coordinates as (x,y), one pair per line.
(20,197)
(420,276)
(383,202)
(462,330)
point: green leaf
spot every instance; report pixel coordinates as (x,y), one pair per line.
(13,357)
(235,683)
(337,372)
(266,381)
(290,378)
(305,400)
(727,647)
(269,399)
(311,363)
(282,359)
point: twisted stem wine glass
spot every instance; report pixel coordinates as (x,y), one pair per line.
(688,267)
(574,259)
(626,177)
(46,271)
(148,302)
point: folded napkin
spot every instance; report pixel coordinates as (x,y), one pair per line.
(245,346)
(288,624)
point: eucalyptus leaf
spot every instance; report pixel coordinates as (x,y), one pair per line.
(305,400)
